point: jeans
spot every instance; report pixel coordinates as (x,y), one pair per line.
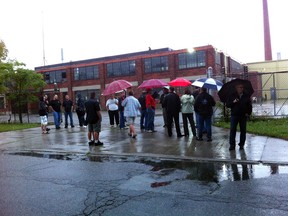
(122,119)
(150,114)
(207,120)
(242,120)
(70,117)
(57,119)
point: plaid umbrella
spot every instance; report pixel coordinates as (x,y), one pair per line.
(116,86)
(208,83)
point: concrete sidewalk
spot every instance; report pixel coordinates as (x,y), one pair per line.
(258,149)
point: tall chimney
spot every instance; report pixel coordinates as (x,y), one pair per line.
(267,39)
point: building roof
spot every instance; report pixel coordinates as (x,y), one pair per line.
(107,58)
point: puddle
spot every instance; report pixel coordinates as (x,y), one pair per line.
(201,171)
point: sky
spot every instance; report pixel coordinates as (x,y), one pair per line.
(35,31)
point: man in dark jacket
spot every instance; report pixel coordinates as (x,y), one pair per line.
(172,104)
(203,106)
(241,108)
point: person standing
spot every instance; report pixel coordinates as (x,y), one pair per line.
(150,111)
(203,106)
(163,95)
(80,110)
(241,108)
(47,104)
(142,101)
(94,119)
(55,107)
(68,107)
(131,111)
(121,110)
(112,107)
(187,109)
(42,110)
(172,104)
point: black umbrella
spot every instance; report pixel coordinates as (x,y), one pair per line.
(230,88)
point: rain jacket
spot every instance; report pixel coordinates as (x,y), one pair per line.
(242,107)
(187,103)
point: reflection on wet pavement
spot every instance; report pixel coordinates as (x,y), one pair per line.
(200,171)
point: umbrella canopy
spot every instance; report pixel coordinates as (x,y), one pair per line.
(208,83)
(116,86)
(179,82)
(153,83)
(230,88)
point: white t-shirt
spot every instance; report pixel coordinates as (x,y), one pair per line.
(112,104)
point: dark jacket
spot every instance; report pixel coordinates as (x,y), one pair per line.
(142,101)
(172,103)
(240,108)
(204,103)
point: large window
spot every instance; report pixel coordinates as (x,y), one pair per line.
(192,60)
(123,68)
(86,94)
(86,73)
(57,76)
(156,64)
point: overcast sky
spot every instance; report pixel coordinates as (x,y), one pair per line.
(97,28)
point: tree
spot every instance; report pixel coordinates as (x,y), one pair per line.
(20,85)
(3,51)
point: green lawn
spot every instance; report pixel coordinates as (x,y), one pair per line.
(17,126)
(277,128)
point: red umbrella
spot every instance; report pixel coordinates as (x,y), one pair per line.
(116,86)
(179,82)
(153,83)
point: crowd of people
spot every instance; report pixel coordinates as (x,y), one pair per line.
(124,109)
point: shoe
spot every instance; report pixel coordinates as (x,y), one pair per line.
(209,140)
(48,129)
(241,146)
(180,135)
(57,128)
(129,134)
(134,136)
(199,139)
(231,148)
(99,143)
(91,142)
(111,126)
(66,126)
(150,131)
(72,126)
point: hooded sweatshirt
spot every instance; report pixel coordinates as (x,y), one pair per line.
(187,102)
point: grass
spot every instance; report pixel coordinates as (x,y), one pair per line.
(4,127)
(277,128)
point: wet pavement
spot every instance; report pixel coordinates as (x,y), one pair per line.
(150,175)
(258,149)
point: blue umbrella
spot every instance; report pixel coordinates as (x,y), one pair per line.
(208,83)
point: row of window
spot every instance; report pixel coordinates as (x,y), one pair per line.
(124,68)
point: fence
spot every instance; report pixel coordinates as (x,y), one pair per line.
(271,93)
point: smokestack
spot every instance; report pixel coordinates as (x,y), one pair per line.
(267,39)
